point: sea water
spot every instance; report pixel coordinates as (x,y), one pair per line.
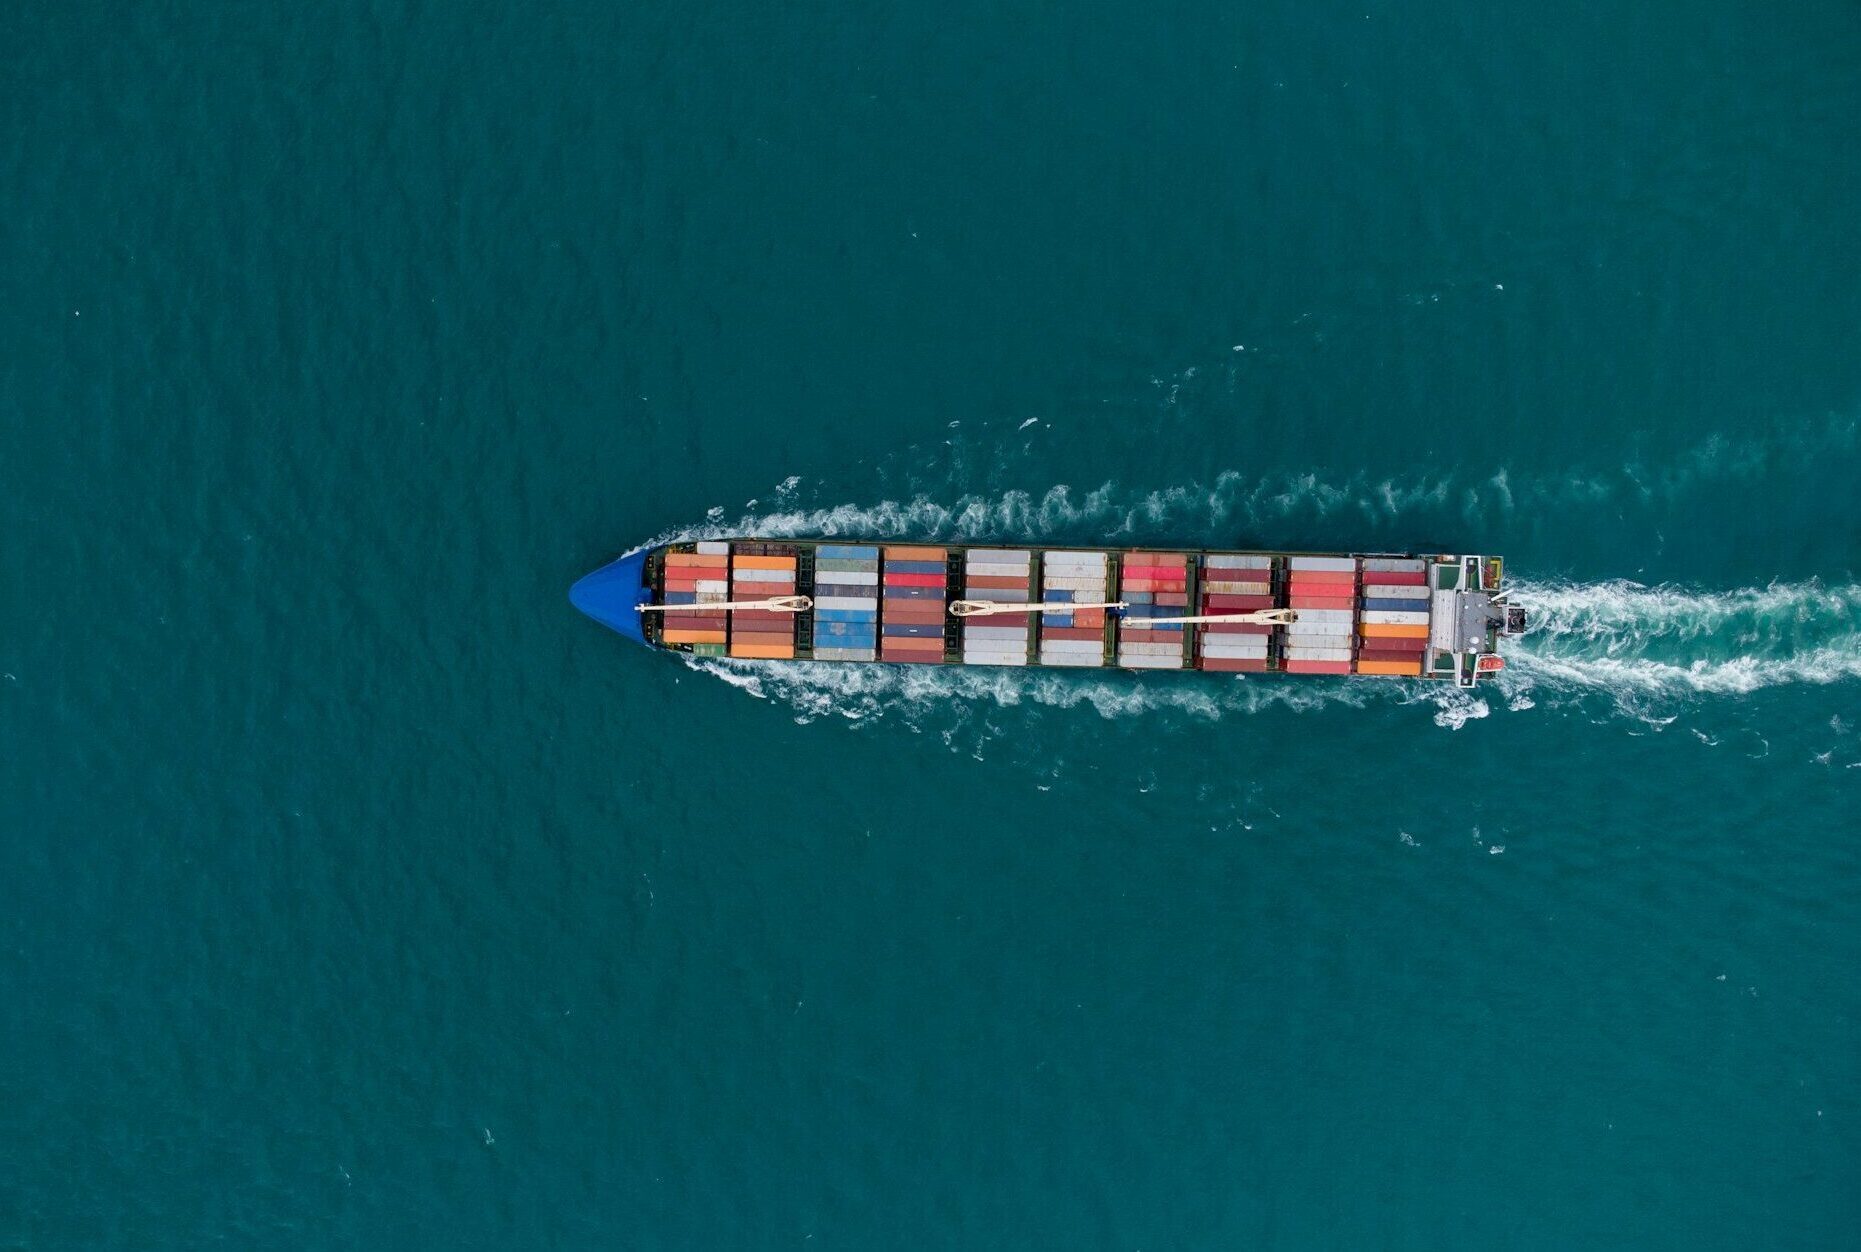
(359,893)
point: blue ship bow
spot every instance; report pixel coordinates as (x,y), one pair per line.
(612,595)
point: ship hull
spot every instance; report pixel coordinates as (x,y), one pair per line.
(1427,616)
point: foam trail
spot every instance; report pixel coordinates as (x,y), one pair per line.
(1647,649)
(1107,512)
(860,693)
(1639,641)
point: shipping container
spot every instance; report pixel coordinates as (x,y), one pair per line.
(1070,636)
(846,602)
(760,571)
(997,576)
(912,614)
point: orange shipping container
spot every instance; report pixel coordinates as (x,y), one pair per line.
(1409,668)
(765,562)
(1376,630)
(763,652)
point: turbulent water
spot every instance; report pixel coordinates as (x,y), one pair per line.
(359,893)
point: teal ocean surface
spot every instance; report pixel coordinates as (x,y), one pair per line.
(358,893)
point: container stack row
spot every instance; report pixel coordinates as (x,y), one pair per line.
(757,572)
(1005,576)
(1394,623)
(1154,585)
(912,606)
(1235,584)
(699,577)
(1323,591)
(1073,636)
(846,602)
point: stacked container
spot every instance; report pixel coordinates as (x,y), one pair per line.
(698,577)
(1005,576)
(911,612)
(1394,625)
(757,572)
(1323,591)
(846,602)
(1153,585)
(1235,584)
(1073,636)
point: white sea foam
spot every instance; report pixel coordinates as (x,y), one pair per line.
(1108,512)
(1639,641)
(1644,649)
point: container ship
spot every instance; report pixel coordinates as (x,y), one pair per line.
(1382,614)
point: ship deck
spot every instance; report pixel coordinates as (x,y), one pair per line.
(1368,614)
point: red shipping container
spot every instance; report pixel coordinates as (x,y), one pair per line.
(917,647)
(1218,602)
(1383,644)
(1173,599)
(1070,632)
(990,581)
(1232,665)
(1317,667)
(914,610)
(913,580)
(1388,654)
(1396,578)
(1322,576)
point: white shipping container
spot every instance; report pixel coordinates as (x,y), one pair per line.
(1232,561)
(1406,564)
(1149,649)
(1384,617)
(711,584)
(971,630)
(1234,649)
(1336,564)
(1386,592)
(712,547)
(1150,662)
(1311,617)
(1074,659)
(971,658)
(993,647)
(1318,654)
(1318,641)
(1092,647)
(763,575)
(864,578)
(845,602)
